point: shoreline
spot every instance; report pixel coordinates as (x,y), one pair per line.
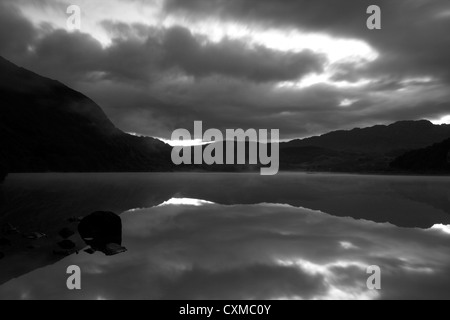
(333,173)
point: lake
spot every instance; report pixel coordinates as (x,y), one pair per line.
(232,236)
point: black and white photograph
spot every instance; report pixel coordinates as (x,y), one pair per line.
(224,150)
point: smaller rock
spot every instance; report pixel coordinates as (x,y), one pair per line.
(66,233)
(112,249)
(90,251)
(35,235)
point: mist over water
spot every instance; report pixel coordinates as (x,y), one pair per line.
(234,236)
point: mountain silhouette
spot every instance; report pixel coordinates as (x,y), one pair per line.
(46,126)
(395,138)
(368,150)
(435,158)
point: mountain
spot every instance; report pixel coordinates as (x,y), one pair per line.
(433,159)
(361,150)
(46,126)
(395,138)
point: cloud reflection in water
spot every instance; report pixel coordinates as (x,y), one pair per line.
(199,250)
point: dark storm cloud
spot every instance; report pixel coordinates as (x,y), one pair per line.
(75,54)
(318,16)
(235,59)
(413,39)
(163,50)
(178,49)
(16,32)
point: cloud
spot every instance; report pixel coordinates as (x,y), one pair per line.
(235,59)
(427,51)
(166,50)
(16,32)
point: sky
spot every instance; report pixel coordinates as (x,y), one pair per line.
(303,67)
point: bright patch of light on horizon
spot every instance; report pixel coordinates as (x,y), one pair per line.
(443,120)
(184,143)
(136,134)
(24,296)
(185,202)
(442,228)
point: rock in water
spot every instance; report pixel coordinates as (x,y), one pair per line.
(102,231)
(112,249)
(101,228)
(35,235)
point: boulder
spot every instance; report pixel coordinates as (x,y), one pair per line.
(102,231)
(34,235)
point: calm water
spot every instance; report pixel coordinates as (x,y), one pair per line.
(233,236)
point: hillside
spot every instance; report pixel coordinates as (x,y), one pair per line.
(368,150)
(46,126)
(433,159)
(395,138)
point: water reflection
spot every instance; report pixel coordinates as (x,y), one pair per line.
(228,244)
(185,202)
(251,252)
